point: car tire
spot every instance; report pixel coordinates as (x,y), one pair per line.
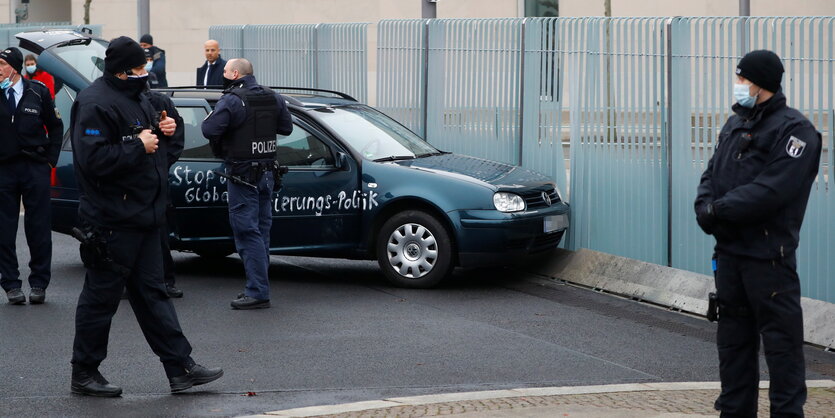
(214,253)
(414,250)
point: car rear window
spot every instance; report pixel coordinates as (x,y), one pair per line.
(196,145)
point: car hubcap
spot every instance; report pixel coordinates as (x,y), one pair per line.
(412,250)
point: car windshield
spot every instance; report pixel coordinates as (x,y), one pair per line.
(86,59)
(373,134)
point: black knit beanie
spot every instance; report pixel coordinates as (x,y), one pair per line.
(13,57)
(146,39)
(122,55)
(763,68)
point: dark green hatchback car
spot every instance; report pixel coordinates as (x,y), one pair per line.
(359,185)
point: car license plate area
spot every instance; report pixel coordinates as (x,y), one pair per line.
(554,223)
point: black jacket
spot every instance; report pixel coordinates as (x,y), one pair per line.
(24,135)
(121,186)
(229,113)
(158,66)
(759,179)
(215,77)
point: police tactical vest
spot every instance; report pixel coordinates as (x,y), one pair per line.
(255,138)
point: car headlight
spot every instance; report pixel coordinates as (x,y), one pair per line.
(508,202)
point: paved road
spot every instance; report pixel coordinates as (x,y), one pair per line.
(338,333)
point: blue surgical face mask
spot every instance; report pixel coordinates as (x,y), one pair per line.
(148,65)
(5,83)
(743,96)
(31,69)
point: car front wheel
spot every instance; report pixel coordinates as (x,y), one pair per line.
(414,250)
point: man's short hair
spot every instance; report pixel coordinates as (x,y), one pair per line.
(241,65)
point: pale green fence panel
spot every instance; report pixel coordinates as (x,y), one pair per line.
(474,87)
(617,76)
(282,55)
(401,71)
(325,56)
(230,38)
(342,58)
(546,131)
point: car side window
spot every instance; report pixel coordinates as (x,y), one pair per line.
(196,145)
(303,149)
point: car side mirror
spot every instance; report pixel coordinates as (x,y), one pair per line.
(341,161)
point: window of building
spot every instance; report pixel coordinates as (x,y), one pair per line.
(542,8)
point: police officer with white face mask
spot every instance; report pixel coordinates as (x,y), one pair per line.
(752,199)
(30,140)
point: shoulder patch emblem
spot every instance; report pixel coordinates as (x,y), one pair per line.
(795,147)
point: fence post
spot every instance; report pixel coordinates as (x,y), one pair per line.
(669,142)
(522,90)
(316,55)
(424,78)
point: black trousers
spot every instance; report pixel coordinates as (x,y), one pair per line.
(28,180)
(140,252)
(759,299)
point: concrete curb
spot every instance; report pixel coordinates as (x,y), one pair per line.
(666,286)
(313,411)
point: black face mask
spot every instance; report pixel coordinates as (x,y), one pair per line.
(133,85)
(228,83)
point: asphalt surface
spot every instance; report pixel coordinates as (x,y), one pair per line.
(339,333)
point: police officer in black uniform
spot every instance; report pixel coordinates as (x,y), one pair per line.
(30,140)
(752,199)
(122,180)
(242,131)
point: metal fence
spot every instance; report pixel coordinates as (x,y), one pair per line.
(9,30)
(641,101)
(325,56)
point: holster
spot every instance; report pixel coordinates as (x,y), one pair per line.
(94,252)
(712,307)
(278,172)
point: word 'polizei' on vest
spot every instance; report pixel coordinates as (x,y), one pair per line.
(255,138)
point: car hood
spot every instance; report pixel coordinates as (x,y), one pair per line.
(499,175)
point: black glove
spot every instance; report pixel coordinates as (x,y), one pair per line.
(706,218)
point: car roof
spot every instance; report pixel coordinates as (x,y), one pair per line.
(296,96)
(38,41)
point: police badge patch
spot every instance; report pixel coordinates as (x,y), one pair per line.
(795,147)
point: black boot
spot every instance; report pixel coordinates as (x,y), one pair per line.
(246,302)
(173,291)
(196,375)
(92,383)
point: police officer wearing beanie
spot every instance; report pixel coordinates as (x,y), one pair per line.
(30,140)
(122,180)
(752,199)
(242,129)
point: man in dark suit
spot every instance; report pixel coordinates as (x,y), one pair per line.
(211,73)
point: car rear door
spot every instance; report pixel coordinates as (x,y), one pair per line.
(198,195)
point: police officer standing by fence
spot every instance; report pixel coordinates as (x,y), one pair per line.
(242,131)
(30,140)
(752,199)
(122,180)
